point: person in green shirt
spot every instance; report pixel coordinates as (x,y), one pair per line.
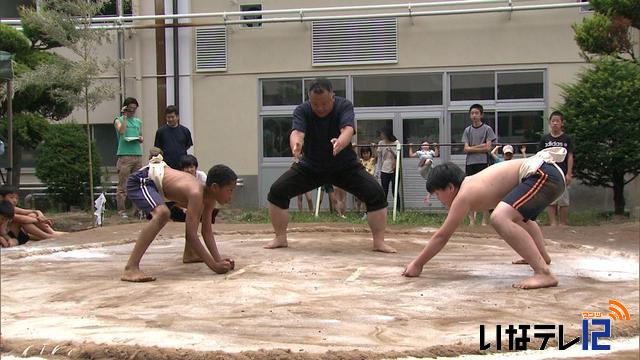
(129,133)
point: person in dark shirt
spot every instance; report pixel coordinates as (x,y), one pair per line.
(556,137)
(173,139)
(324,125)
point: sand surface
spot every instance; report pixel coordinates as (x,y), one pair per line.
(327,292)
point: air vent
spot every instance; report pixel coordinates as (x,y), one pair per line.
(211,48)
(345,42)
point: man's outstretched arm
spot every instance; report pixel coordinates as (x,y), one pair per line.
(346,133)
(296,141)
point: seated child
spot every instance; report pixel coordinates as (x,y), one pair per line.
(6,215)
(27,224)
(519,190)
(149,188)
(426,155)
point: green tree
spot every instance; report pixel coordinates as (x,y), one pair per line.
(35,102)
(67,23)
(603,119)
(62,162)
(607,32)
(28,132)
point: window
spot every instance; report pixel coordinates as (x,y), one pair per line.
(520,127)
(520,85)
(9,8)
(275,136)
(106,143)
(367,130)
(251,7)
(281,92)
(460,120)
(28,159)
(110,8)
(416,131)
(586,7)
(472,86)
(397,90)
(339,87)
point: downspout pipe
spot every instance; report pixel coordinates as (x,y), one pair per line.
(176,68)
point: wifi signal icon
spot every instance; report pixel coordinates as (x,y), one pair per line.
(618,311)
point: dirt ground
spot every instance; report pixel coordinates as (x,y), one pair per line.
(327,296)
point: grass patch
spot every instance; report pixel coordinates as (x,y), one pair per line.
(260,216)
(410,218)
(79,220)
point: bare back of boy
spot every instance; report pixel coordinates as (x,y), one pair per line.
(484,190)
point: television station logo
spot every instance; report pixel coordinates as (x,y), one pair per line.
(594,323)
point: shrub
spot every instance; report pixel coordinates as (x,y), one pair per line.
(62,163)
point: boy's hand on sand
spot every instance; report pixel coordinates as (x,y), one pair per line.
(231,262)
(412,270)
(222,267)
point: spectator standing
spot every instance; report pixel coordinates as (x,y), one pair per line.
(556,137)
(173,139)
(386,156)
(477,138)
(129,134)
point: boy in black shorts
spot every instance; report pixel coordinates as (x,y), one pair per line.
(519,190)
(150,187)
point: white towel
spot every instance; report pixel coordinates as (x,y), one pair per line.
(551,155)
(156,172)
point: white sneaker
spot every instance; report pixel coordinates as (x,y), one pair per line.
(364,217)
(124,215)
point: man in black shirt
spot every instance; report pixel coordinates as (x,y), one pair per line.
(173,139)
(556,137)
(324,125)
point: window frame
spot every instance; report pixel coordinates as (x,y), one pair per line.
(259,25)
(470,102)
(443,89)
(544,87)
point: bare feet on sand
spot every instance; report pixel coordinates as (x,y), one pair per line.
(276,243)
(524,262)
(136,276)
(537,281)
(186,259)
(59,233)
(384,248)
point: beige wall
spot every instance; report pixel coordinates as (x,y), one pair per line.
(434,41)
(229,100)
(226,128)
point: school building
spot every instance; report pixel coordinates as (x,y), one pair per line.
(238,68)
